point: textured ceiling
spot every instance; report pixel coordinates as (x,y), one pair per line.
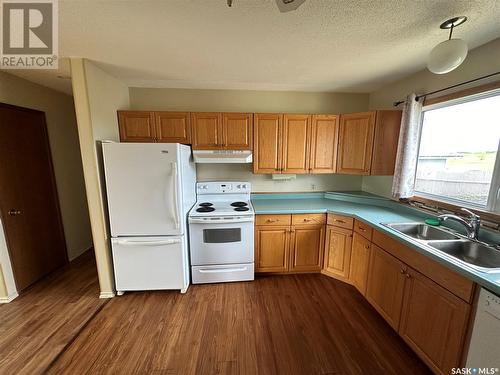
(325,45)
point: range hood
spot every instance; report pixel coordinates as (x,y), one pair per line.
(222,156)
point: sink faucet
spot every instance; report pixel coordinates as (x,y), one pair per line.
(471,224)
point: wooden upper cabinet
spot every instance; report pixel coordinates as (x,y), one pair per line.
(173,127)
(272,248)
(206,130)
(306,251)
(324,142)
(267,143)
(237,131)
(338,246)
(385,143)
(360,257)
(385,286)
(296,143)
(136,126)
(356,133)
(433,322)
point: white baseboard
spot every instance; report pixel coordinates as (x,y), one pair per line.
(106,294)
(9,298)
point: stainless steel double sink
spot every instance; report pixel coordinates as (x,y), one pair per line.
(475,254)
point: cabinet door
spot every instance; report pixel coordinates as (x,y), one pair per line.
(338,245)
(272,248)
(385,286)
(385,143)
(296,143)
(324,141)
(136,126)
(237,131)
(360,257)
(433,322)
(306,249)
(356,143)
(206,130)
(267,143)
(173,127)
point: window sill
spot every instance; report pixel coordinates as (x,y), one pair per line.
(492,217)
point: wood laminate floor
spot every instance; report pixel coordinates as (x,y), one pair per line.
(38,325)
(296,324)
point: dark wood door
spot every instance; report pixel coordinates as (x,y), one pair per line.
(28,197)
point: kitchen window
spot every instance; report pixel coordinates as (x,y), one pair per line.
(459,158)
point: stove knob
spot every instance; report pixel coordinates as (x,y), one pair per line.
(238,187)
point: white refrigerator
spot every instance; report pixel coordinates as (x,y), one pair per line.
(150,189)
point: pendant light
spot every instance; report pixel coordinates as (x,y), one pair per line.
(448,55)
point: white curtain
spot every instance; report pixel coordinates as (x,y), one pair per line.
(406,160)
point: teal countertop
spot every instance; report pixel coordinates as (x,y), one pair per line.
(374,211)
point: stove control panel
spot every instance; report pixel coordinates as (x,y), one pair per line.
(230,187)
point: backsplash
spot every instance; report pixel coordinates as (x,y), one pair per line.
(265,183)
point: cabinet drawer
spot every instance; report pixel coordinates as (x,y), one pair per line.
(363,229)
(340,221)
(273,219)
(304,219)
(454,282)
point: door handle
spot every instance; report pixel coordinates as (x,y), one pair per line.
(14,212)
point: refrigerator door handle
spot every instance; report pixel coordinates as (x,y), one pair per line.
(175,206)
(148,243)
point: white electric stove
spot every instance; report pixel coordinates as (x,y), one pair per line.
(221,230)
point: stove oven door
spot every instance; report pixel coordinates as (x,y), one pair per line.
(221,241)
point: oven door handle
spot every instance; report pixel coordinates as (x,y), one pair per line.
(221,221)
(223,270)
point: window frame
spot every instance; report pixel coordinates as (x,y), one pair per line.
(492,208)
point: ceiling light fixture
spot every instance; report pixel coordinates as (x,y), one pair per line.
(283,5)
(448,55)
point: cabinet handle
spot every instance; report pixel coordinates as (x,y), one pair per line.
(367,246)
(408,276)
(339,221)
(293,231)
(402,271)
(362,229)
(271,221)
(307,220)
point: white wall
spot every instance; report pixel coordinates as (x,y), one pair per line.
(256,101)
(65,149)
(7,283)
(264,183)
(480,61)
(98,96)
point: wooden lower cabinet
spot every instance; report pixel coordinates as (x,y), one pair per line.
(281,248)
(360,257)
(433,322)
(338,244)
(272,248)
(307,248)
(385,286)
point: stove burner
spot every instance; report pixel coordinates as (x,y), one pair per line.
(241,208)
(205,204)
(239,204)
(205,209)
